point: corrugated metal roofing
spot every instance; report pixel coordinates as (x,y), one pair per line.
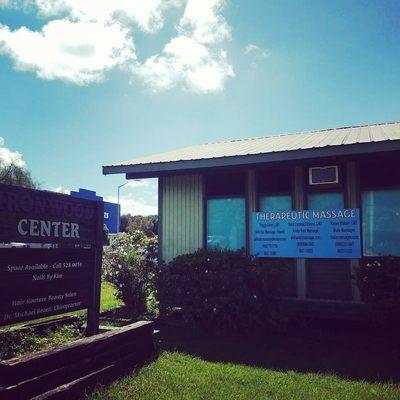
(274,144)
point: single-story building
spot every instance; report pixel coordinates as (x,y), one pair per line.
(210,194)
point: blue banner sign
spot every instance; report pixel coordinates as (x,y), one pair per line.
(307,234)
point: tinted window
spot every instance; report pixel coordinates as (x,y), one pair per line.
(275,203)
(325,201)
(226,223)
(381,222)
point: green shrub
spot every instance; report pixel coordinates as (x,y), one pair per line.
(379,282)
(130,265)
(220,289)
(17,342)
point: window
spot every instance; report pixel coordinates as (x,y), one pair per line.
(327,278)
(381,222)
(276,203)
(325,201)
(226,223)
(226,210)
(287,285)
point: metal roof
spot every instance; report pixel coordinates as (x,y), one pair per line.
(328,142)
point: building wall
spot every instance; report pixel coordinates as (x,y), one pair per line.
(184,200)
(181,210)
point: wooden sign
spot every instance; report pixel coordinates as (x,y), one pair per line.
(34,216)
(66,275)
(42,266)
(42,302)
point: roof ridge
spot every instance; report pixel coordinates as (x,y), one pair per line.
(298,133)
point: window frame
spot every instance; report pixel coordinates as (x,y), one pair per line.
(379,188)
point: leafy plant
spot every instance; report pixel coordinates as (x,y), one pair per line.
(220,289)
(379,282)
(17,342)
(130,265)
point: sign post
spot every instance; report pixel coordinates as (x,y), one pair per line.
(50,255)
(94,311)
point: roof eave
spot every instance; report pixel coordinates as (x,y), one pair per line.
(153,170)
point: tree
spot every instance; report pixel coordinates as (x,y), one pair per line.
(106,239)
(147,224)
(13,174)
(124,221)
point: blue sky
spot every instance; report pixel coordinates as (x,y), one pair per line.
(269,67)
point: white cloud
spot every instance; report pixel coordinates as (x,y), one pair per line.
(138,197)
(147,15)
(8,157)
(194,58)
(134,205)
(203,21)
(61,189)
(86,38)
(188,62)
(138,183)
(257,51)
(9,3)
(78,52)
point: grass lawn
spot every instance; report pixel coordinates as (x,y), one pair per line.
(108,298)
(179,376)
(315,363)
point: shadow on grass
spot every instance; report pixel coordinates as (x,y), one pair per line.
(351,351)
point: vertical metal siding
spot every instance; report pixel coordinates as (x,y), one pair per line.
(182,215)
(251,206)
(160,217)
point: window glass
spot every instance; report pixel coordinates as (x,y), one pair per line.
(325,201)
(381,222)
(276,203)
(226,223)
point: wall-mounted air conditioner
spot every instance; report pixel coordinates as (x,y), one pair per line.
(323,175)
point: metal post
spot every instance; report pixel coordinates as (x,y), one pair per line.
(119,210)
